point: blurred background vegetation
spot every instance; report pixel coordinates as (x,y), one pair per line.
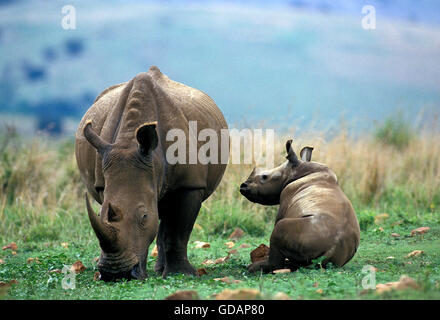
(394,169)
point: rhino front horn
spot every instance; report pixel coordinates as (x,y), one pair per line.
(103,231)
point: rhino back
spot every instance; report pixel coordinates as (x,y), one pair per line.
(318,193)
(89,162)
(328,209)
(151,96)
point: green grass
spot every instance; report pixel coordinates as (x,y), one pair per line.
(394,171)
(394,131)
(43,240)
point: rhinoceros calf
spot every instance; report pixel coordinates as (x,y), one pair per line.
(121,154)
(315,218)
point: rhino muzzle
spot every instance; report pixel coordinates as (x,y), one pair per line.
(113,267)
(113,264)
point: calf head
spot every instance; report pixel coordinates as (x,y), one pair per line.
(128,220)
(264,186)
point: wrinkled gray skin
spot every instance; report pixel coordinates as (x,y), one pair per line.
(120,150)
(315,218)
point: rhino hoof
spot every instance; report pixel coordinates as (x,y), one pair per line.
(185,268)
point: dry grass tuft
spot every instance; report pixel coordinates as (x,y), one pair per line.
(42,175)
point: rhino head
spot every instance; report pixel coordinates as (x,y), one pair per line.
(128,221)
(264,186)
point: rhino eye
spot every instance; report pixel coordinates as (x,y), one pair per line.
(264,177)
(144,216)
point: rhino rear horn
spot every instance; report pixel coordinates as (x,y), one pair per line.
(291,156)
(93,138)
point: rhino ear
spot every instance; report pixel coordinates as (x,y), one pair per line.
(146,136)
(291,156)
(306,154)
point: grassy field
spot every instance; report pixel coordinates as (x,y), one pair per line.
(393,170)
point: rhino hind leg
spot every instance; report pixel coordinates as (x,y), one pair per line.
(275,261)
(178,215)
(301,241)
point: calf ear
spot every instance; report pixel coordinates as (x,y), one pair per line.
(306,154)
(291,156)
(146,136)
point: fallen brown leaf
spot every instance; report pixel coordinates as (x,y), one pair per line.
(4,286)
(1,261)
(183,295)
(389,258)
(230,244)
(236,234)
(395,235)
(281,271)
(154,252)
(202,245)
(420,230)
(404,282)
(8,284)
(239,294)
(197,226)
(13,253)
(244,245)
(233,251)
(55,271)
(36,260)
(260,253)
(202,271)
(221,260)
(96,276)
(319,291)
(380,218)
(65,245)
(13,246)
(281,296)
(208,262)
(415,253)
(316,284)
(227,280)
(78,267)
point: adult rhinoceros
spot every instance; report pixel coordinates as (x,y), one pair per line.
(121,154)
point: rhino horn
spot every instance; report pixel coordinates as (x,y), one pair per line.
(92,137)
(104,232)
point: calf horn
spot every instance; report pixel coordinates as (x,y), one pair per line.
(104,233)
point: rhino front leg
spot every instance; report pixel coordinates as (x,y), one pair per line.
(160,262)
(178,221)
